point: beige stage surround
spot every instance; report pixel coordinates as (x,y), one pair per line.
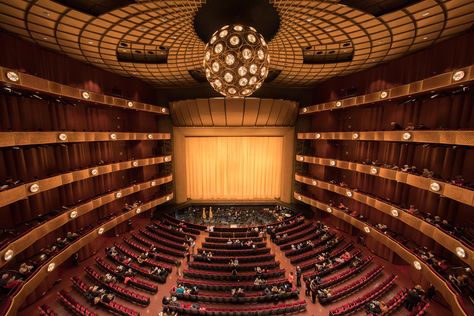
(179,139)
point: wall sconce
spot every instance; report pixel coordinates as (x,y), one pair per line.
(51,267)
(113,136)
(383,94)
(8,255)
(62,137)
(406,136)
(34,188)
(94,172)
(100,231)
(118,195)
(417,265)
(85,95)
(459,75)
(435,186)
(73,214)
(13,76)
(338,104)
(374,170)
(461,252)
(367,229)
(394,213)
(130,104)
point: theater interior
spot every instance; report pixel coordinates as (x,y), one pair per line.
(237,157)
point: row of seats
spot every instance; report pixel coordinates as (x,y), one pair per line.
(334,267)
(272,264)
(352,287)
(177,222)
(126,251)
(330,245)
(308,265)
(166,240)
(226,276)
(158,258)
(280,309)
(242,259)
(235,253)
(120,291)
(233,246)
(336,279)
(46,310)
(159,231)
(112,306)
(257,297)
(137,269)
(185,227)
(251,233)
(297,234)
(158,247)
(314,238)
(135,282)
(72,305)
(358,303)
(394,303)
(225,240)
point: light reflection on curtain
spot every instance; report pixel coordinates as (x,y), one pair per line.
(233,168)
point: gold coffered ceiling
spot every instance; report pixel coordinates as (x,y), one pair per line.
(319,24)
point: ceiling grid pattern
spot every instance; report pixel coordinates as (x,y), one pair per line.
(318,24)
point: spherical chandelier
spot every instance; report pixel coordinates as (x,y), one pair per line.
(236,60)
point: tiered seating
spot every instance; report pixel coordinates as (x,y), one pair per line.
(341,277)
(296,233)
(152,263)
(120,291)
(159,257)
(280,309)
(72,305)
(255,297)
(215,280)
(157,227)
(271,264)
(113,307)
(138,269)
(45,310)
(150,233)
(235,253)
(353,287)
(143,285)
(176,222)
(361,301)
(333,254)
(166,240)
(226,276)
(333,243)
(242,259)
(419,310)
(314,238)
(146,245)
(234,234)
(227,286)
(233,246)
(395,302)
(185,227)
(225,240)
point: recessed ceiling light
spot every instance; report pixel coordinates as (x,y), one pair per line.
(46,13)
(141,28)
(164,20)
(173,37)
(90,42)
(45,38)
(425,38)
(309,19)
(328,29)
(297,36)
(426,14)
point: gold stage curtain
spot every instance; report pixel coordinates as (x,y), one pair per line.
(233,168)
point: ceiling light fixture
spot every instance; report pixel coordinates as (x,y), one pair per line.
(236,60)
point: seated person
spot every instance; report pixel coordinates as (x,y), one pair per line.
(180,289)
(9,281)
(143,257)
(25,269)
(71,236)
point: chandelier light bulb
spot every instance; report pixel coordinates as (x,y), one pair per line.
(236,61)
